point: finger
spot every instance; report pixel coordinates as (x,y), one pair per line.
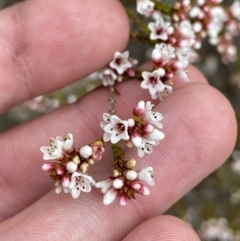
(200,130)
(164,228)
(45,44)
(16,193)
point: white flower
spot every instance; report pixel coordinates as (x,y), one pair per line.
(67,141)
(61,186)
(235,9)
(121,62)
(196,12)
(116,130)
(186,30)
(218,14)
(146,147)
(151,116)
(235,165)
(146,176)
(145,7)
(159,29)
(85,151)
(152,81)
(80,182)
(108,77)
(163,52)
(53,151)
(167,91)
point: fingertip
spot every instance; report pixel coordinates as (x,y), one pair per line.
(164,228)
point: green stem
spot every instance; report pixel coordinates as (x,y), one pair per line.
(163,8)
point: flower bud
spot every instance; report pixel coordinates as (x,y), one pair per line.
(139,108)
(148,128)
(131,175)
(131,122)
(130,163)
(60,171)
(85,151)
(118,183)
(48,167)
(76,160)
(115,173)
(71,167)
(84,167)
(122,199)
(65,181)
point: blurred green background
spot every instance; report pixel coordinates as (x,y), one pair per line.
(213,207)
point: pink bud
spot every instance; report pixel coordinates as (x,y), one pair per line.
(60,171)
(143,190)
(47,167)
(147,128)
(131,122)
(139,108)
(122,199)
(176,65)
(135,185)
(131,73)
(65,181)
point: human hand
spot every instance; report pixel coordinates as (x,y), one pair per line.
(48,44)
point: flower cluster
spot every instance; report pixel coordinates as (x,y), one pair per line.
(216,230)
(141,130)
(124,183)
(120,65)
(68,167)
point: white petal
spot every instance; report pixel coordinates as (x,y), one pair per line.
(106,137)
(110,196)
(75,193)
(58,189)
(136,140)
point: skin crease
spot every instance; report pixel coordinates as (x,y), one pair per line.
(199,124)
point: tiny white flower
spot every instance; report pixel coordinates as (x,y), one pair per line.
(235,9)
(186,29)
(121,62)
(151,116)
(152,81)
(166,92)
(163,52)
(145,7)
(146,176)
(54,151)
(67,141)
(85,151)
(159,29)
(196,12)
(108,77)
(80,182)
(117,129)
(146,147)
